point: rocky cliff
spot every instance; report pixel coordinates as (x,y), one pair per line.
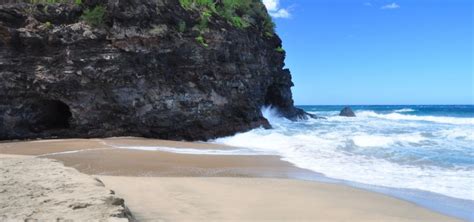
(148,69)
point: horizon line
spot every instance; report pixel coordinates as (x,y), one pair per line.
(385,104)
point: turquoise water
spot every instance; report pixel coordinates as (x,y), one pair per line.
(420,153)
(421,110)
(441,135)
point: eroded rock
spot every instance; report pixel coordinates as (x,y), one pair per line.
(138,75)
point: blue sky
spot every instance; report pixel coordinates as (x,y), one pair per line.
(377,51)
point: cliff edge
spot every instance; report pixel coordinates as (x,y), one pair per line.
(155,68)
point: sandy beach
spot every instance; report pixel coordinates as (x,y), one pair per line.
(162,186)
(258,199)
(40,189)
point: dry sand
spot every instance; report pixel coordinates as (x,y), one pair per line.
(41,189)
(179,187)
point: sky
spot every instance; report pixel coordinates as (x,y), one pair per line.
(347,52)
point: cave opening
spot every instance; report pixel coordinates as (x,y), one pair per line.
(49,114)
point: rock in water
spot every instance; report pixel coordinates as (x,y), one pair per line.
(143,70)
(347,111)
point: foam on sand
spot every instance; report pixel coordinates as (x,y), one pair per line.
(236,151)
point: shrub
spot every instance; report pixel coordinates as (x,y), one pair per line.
(238,13)
(241,5)
(201,40)
(239,22)
(206,4)
(204,20)
(186,4)
(279,49)
(232,10)
(268,26)
(200,4)
(94,17)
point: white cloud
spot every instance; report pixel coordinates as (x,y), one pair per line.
(280,13)
(273,7)
(368,4)
(391,6)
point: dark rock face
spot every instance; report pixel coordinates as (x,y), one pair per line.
(347,111)
(137,76)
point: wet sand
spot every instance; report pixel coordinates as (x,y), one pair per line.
(99,157)
(161,186)
(258,199)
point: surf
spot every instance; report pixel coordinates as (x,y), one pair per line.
(429,153)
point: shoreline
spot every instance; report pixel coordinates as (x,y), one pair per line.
(98,157)
(258,199)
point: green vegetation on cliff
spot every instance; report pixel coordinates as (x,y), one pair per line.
(279,49)
(77,2)
(94,17)
(240,13)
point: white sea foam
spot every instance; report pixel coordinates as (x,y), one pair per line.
(236,151)
(404,110)
(458,133)
(372,148)
(385,141)
(71,151)
(437,119)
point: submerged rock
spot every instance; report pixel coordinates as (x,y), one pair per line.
(347,111)
(142,73)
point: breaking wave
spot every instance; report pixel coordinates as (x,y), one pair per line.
(390,149)
(436,119)
(404,110)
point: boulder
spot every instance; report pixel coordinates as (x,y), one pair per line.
(347,111)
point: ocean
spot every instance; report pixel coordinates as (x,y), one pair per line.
(421,153)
